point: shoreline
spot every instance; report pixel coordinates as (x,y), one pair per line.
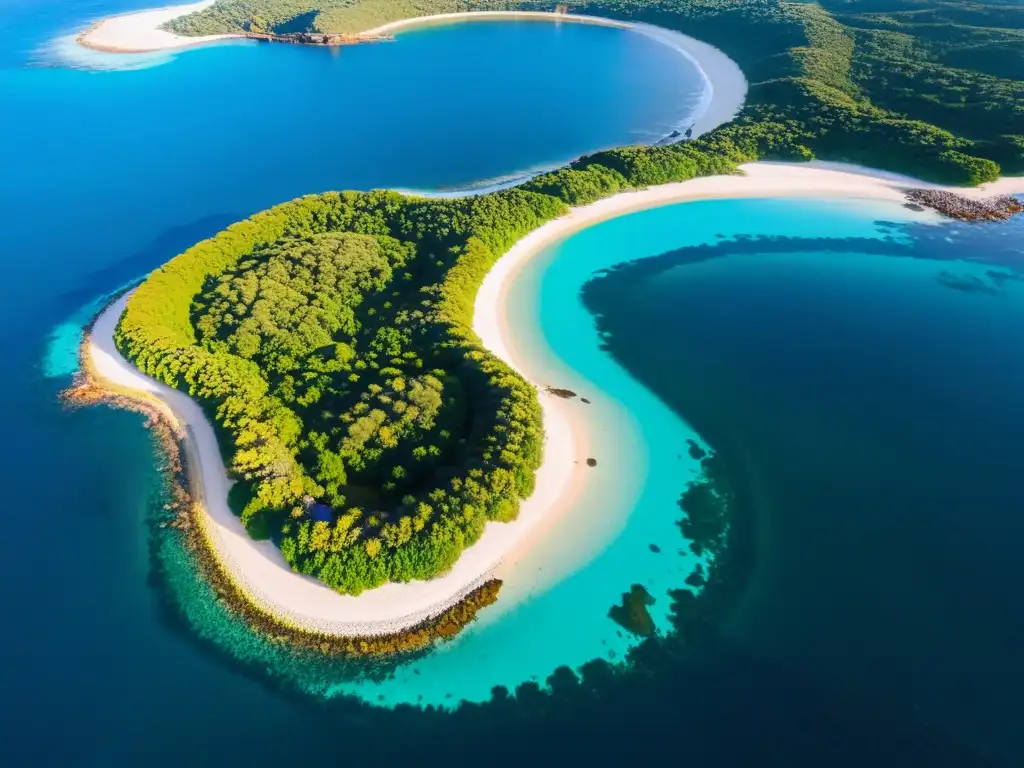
(725,89)
(257,570)
(140,31)
(725,86)
(257,567)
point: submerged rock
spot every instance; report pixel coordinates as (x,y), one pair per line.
(566,394)
(956,206)
(633,615)
(697,578)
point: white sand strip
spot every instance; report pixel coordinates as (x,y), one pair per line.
(140,32)
(258,567)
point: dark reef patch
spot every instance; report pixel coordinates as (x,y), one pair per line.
(695,451)
(731,515)
(565,394)
(632,614)
(991,283)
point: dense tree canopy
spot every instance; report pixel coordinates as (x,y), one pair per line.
(329,339)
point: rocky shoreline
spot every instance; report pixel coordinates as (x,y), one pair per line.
(330,39)
(954,206)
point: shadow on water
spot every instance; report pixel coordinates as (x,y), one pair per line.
(945,242)
(165,246)
(61,344)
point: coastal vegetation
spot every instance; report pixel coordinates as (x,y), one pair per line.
(329,340)
(934,88)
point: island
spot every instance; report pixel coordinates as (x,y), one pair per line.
(365,447)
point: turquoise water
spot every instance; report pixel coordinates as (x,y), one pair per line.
(641,448)
(866,379)
(845,375)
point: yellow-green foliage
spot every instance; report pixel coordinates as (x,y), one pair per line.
(330,339)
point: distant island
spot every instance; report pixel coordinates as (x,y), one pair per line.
(368,425)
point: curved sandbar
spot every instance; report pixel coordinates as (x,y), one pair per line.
(141,32)
(258,567)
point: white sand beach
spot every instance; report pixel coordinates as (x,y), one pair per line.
(259,568)
(140,32)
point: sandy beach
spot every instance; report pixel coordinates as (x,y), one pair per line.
(140,32)
(258,567)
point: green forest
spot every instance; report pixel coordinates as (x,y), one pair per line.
(329,338)
(932,87)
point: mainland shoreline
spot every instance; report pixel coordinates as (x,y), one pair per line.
(140,31)
(257,567)
(725,87)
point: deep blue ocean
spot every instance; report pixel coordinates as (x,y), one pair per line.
(867,385)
